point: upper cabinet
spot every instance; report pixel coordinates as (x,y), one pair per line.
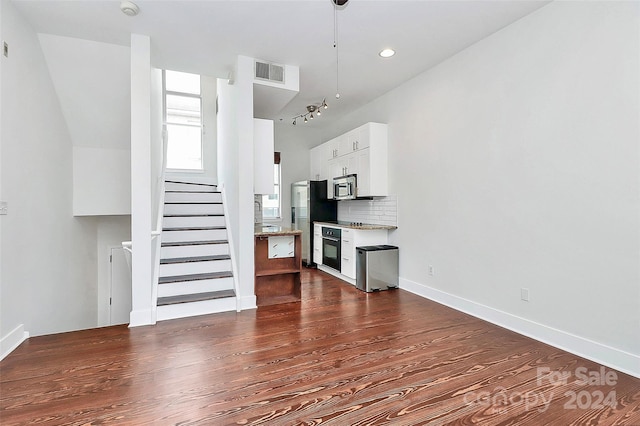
(361,151)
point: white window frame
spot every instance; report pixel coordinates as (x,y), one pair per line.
(279,185)
(166,92)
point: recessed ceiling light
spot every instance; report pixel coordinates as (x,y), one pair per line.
(387,53)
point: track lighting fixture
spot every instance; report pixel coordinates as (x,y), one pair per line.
(311,109)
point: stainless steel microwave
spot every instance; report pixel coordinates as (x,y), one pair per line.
(345,187)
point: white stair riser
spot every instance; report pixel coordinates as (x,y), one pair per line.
(171,186)
(173,269)
(193,287)
(193,209)
(210,197)
(204,235)
(182,310)
(194,251)
(189,222)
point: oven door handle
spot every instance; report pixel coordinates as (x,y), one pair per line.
(331,239)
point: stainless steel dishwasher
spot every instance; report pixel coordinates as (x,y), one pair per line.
(376,268)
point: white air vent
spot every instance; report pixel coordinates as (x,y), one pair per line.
(271,72)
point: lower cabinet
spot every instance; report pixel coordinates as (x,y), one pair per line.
(352,238)
(317,244)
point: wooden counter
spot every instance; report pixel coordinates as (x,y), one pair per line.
(277,279)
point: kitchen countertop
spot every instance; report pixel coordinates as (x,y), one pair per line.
(361,226)
(274,230)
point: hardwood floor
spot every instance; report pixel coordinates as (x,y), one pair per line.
(340,357)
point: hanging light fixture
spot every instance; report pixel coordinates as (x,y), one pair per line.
(316,108)
(311,109)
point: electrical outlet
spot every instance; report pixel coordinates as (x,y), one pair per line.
(431,273)
(524,294)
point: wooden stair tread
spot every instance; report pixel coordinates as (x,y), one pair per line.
(195,277)
(193,243)
(196,297)
(194,259)
(195,228)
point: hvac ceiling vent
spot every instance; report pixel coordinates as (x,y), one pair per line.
(271,72)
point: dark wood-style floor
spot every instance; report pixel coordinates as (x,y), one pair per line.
(340,357)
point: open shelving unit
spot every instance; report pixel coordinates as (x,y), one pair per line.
(277,280)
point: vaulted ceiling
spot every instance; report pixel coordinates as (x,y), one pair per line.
(205,37)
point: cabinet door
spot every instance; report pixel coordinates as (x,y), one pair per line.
(337,167)
(345,146)
(361,160)
(316,158)
(331,148)
(362,137)
(317,244)
(348,254)
(359,138)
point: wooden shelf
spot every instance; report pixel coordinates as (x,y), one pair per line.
(277,280)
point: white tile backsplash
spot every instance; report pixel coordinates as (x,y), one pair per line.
(379,211)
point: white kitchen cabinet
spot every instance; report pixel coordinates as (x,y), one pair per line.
(263,146)
(332,148)
(316,161)
(359,138)
(317,244)
(362,163)
(361,151)
(352,238)
(342,166)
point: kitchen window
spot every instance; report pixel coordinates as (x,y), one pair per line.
(272,203)
(183,120)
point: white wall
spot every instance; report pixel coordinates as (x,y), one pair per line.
(516,165)
(48,256)
(92,80)
(235,169)
(293,142)
(101,181)
(141,76)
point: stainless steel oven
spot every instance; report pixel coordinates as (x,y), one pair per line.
(331,241)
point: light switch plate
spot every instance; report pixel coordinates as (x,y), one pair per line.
(4,208)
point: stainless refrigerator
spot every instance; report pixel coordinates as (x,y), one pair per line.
(309,204)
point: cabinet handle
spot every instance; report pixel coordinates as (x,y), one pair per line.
(354,145)
(357,145)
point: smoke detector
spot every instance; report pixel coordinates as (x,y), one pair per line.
(129,8)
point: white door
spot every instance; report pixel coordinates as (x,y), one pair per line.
(120,286)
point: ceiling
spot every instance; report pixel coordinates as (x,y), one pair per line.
(205,37)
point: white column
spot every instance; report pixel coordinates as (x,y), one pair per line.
(142,303)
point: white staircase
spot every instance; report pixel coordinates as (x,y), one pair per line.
(195,276)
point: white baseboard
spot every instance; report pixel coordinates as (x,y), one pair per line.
(606,355)
(248,302)
(12,340)
(141,317)
(336,274)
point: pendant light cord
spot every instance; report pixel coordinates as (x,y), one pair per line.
(335,45)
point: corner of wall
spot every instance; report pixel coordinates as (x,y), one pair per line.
(12,340)
(602,354)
